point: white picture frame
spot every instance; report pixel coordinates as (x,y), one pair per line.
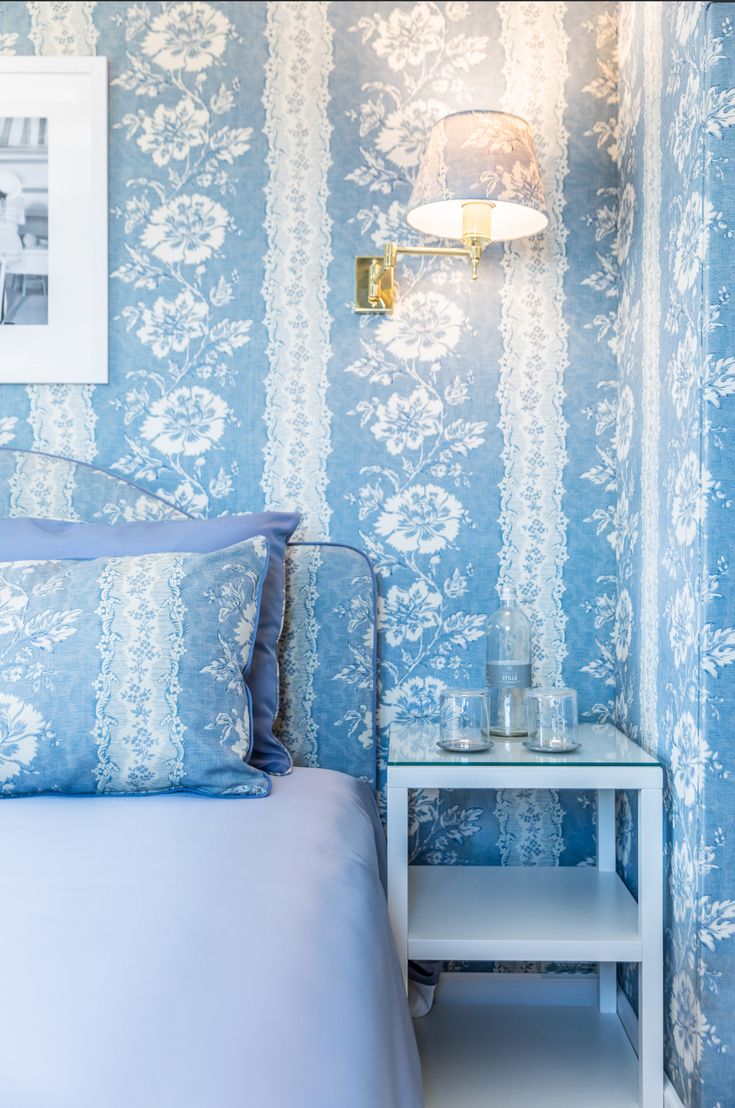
(57,108)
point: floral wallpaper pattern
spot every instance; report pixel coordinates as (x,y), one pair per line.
(182,314)
(207,342)
(673,536)
(425,437)
(715,857)
(298,224)
(523,423)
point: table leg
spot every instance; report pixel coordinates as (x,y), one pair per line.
(397,812)
(651,986)
(607,972)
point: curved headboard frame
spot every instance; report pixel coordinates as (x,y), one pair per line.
(348,643)
(97,469)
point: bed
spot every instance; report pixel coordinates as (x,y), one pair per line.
(190,952)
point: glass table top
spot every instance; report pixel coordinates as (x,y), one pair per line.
(601,744)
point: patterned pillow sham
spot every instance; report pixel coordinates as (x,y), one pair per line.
(24,539)
(125,675)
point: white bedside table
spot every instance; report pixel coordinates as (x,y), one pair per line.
(524,1056)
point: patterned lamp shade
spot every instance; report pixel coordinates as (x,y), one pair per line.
(479,155)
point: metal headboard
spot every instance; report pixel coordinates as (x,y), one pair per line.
(328,652)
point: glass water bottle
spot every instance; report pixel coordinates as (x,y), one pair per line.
(508,666)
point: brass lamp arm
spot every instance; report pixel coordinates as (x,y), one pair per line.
(446,251)
(375,276)
(472,250)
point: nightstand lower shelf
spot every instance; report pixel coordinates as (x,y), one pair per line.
(521,913)
(516,1056)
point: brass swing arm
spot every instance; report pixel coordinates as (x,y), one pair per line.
(375,276)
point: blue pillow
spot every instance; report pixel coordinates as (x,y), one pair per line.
(50,538)
(122,676)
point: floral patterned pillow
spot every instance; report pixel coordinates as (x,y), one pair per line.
(125,675)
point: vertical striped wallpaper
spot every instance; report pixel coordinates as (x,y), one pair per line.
(456,440)
(520,424)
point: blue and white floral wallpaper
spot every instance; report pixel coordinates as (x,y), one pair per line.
(716,385)
(563,420)
(254,150)
(673,526)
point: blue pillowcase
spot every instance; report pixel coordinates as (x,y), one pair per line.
(51,539)
(125,675)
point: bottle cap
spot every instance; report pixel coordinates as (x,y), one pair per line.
(506,590)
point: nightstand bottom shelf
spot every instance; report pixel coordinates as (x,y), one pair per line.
(520,913)
(523,1056)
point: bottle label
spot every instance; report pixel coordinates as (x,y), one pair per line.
(509,675)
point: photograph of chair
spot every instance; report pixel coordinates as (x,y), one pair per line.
(23,221)
(53,181)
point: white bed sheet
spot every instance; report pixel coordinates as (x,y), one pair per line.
(195,953)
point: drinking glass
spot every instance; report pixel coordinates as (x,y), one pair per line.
(552,718)
(463,720)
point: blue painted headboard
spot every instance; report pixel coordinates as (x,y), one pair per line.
(328,649)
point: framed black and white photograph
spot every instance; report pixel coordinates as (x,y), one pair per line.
(23,221)
(53,220)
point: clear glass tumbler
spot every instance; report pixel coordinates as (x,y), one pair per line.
(463,720)
(552,718)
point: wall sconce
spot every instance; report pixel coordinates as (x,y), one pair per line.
(478,182)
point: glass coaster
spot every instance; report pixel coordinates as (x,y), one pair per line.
(568,749)
(473,746)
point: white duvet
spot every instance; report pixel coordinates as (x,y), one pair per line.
(183,952)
